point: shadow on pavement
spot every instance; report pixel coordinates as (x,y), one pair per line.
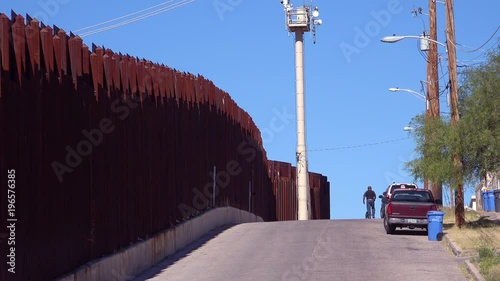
(182,253)
(410,232)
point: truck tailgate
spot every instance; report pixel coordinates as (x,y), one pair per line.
(411,209)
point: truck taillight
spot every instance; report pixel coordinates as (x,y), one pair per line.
(389,209)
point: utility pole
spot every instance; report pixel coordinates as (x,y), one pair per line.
(433,76)
(300,20)
(433,83)
(452,68)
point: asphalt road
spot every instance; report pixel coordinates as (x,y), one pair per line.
(309,250)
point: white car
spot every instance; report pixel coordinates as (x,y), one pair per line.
(386,196)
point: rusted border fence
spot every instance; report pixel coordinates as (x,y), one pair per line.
(110,149)
(284,178)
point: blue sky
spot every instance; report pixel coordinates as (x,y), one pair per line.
(242,45)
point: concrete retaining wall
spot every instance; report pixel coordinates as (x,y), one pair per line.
(139,257)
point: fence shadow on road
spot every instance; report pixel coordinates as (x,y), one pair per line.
(182,253)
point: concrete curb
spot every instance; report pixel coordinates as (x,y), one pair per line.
(129,262)
(473,271)
(471,268)
(457,251)
(454,248)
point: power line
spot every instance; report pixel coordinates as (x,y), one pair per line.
(480,47)
(469,65)
(360,145)
(442,71)
(118,18)
(445,88)
(150,14)
(482,55)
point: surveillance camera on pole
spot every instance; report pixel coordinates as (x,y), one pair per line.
(299,20)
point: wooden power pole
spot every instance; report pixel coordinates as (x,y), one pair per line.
(433,82)
(452,68)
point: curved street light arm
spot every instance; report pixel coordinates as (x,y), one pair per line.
(417,94)
(394,39)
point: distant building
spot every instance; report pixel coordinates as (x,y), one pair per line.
(491,181)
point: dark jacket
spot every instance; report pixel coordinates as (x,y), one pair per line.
(370,195)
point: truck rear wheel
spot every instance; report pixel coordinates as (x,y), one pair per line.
(389,228)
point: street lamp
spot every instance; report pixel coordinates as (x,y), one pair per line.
(417,94)
(394,39)
(426,100)
(432,108)
(432,90)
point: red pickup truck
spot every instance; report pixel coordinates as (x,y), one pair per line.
(408,208)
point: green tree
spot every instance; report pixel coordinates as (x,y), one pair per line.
(479,126)
(437,165)
(476,137)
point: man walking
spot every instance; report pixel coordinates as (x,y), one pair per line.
(370,197)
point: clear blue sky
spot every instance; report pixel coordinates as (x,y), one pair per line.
(244,48)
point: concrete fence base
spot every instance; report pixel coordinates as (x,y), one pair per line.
(129,262)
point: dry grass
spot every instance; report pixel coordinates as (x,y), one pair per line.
(466,273)
(493,274)
(478,232)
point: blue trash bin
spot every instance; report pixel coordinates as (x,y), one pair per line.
(435,226)
(486,204)
(491,200)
